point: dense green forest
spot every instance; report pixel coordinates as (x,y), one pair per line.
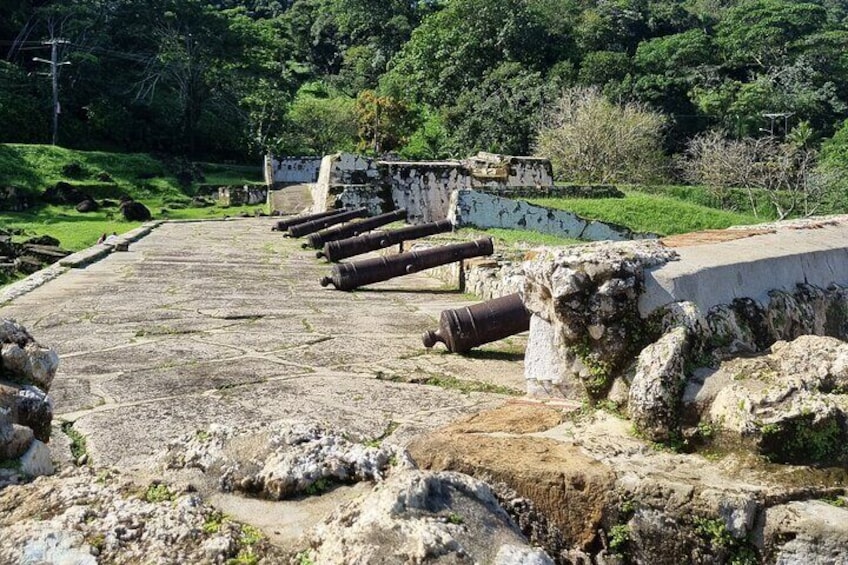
(423,79)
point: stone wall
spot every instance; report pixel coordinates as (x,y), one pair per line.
(484,210)
(587,191)
(247,195)
(630,323)
(291,170)
(492,170)
(346,180)
(424,188)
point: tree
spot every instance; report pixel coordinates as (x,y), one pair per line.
(319,123)
(589,139)
(835,150)
(453,49)
(498,115)
(383,122)
(783,172)
(429,141)
(760,32)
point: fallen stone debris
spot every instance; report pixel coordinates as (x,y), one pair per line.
(281,460)
(26,412)
(29,256)
(84,517)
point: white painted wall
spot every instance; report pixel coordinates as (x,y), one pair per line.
(293,170)
(482,210)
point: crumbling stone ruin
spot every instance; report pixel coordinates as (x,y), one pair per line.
(423,188)
(28,256)
(484,191)
(26,413)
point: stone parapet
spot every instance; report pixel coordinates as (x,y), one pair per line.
(486,210)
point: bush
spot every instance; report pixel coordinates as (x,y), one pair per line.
(591,140)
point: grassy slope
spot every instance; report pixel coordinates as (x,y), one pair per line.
(36,167)
(518,237)
(650,213)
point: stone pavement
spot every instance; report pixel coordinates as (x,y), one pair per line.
(225,322)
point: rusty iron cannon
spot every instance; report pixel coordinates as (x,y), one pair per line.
(464,328)
(347,276)
(318,239)
(343,248)
(284,225)
(306,228)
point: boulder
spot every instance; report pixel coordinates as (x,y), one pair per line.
(22,359)
(86,517)
(26,373)
(418,517)
(790,404)
(28,264)
(810,531)
(15,199)
(88,206)
(45,240)
(36,461)
(589,294)
(64,194)
(27,406)
(73,170)
(30,364)
(281,460)
(14,439)
(656,391)
(565,486)
(135,211)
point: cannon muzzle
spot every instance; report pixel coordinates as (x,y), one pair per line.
(462,329)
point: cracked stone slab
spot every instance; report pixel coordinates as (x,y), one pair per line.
(226,322)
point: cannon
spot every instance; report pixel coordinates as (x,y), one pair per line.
(464,328)
(318,239)
(313,226)
(343,248)
(283,225)
(347,276)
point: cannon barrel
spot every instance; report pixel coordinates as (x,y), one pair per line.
(284,225)
(347,276)
(343,248)
(464,328)
(318,239)
(313,226)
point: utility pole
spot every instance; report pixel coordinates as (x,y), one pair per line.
(54,74)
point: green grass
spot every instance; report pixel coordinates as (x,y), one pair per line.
(36,167)
(514,237)
(143,177)
(77,231)
(74,230)
(218,174)
(652,213)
